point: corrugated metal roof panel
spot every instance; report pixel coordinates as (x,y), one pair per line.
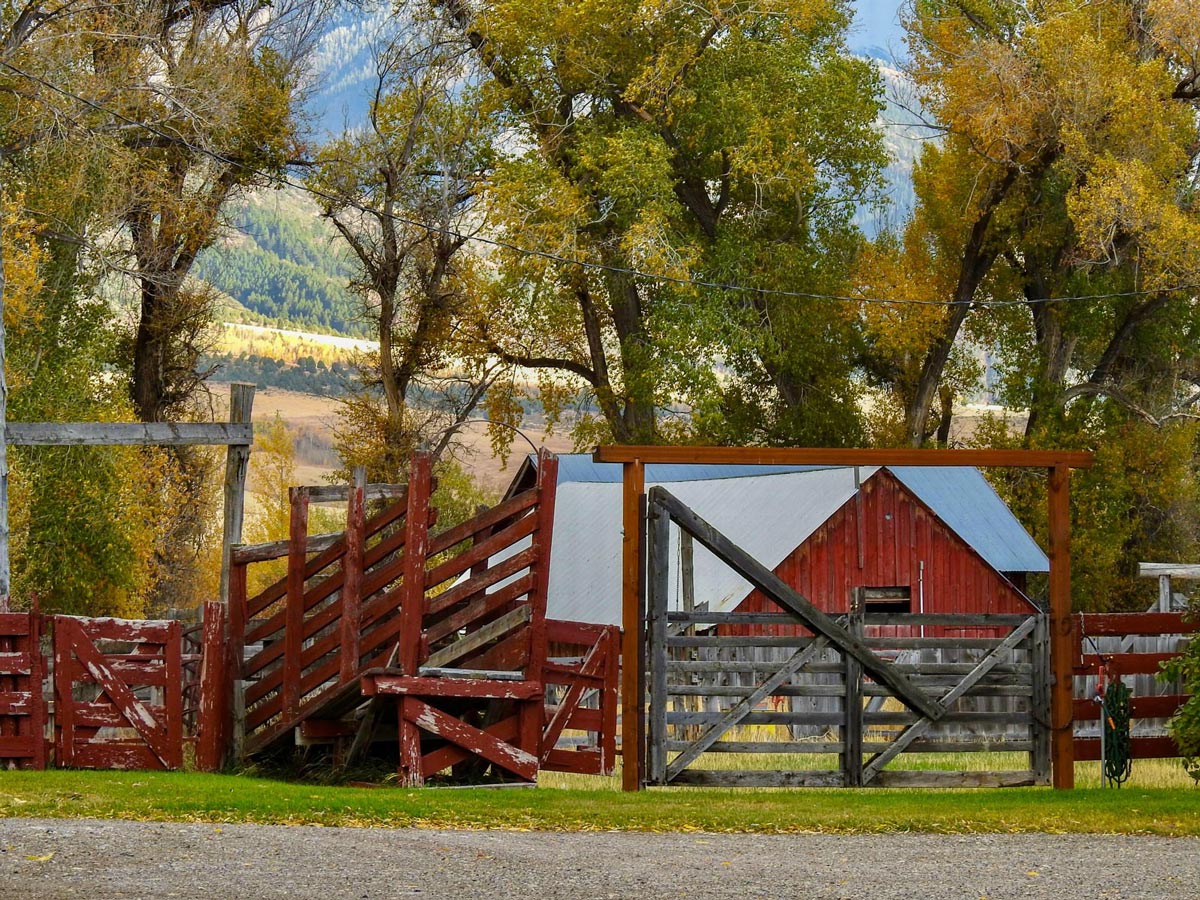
(579,467)
(767,516)
(962,498)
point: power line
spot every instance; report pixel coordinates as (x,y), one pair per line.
(557,258)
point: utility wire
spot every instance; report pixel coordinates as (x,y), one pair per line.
(554,257)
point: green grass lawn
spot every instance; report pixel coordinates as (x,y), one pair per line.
(190,797)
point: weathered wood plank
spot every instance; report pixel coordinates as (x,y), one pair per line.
(918,729)
(804,456)
(1121,624)
(1172,570)
(935,779)
(757,778)
(161,434)
(384,684)
(431,719)
(243,554)
(341,493)
(739,711)
(852,702)
(476,639)
(658,586)
(949,620)
(783,594)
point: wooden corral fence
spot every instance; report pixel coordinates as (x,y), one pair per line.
(930,696)
(1132,647)
(450,625)
(22,706)
(118,694)
(104,693)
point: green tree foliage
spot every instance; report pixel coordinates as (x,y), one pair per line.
(727,143)
(1065,168)
(403,195)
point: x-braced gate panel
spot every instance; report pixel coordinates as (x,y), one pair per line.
(799,681)
(118,694)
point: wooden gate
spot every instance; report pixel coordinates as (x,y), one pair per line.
(22,710)
(581,675)
(753,665)
(118,694)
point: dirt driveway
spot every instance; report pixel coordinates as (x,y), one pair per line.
(100,860)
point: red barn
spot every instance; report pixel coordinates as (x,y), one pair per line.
(938,540)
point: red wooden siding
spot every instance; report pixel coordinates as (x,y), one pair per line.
(898,532)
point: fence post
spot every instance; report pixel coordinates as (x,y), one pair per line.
(412,611)
(293,629)
(658,585)
(213,684)
(1062,632)
(1039,756)
(852,727)
(237,461)
(352,568)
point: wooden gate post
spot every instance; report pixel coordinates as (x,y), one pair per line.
(852,708)
(412,611)
(293,633)
(237,461)
(1062,634)
(214,684)
(352,568)
(633,641)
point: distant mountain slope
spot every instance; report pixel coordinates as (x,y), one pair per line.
(285,264)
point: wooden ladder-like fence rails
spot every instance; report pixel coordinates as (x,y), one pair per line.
(434,642)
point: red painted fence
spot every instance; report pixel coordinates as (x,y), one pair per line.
(1127,662)
(22,709)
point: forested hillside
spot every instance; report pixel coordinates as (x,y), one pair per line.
(283,263)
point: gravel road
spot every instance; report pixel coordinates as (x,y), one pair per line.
(101,859)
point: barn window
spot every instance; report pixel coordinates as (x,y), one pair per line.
(896,599)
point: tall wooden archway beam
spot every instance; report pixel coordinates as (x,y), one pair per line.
(634,459)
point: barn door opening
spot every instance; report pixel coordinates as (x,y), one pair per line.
(790,694)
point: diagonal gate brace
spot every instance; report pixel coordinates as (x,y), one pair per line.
(794,664)
(918,728)
(786,596)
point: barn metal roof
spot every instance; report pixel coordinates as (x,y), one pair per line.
(768,510)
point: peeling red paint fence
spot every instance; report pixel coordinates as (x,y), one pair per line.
(309,642)
(118,694)
(1127,662)
(449,628)
(583,670)
(22,708)
(213,716)
(468,675)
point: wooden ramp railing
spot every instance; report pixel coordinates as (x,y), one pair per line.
(450,624)
(299,646)
(468,673)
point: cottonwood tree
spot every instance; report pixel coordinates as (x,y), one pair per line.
(725,143)
(403,193)
(1067,168)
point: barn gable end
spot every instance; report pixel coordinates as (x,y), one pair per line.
(897,533)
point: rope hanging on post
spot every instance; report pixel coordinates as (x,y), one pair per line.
(1118,757)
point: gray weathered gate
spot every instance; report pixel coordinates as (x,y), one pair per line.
(713,673)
